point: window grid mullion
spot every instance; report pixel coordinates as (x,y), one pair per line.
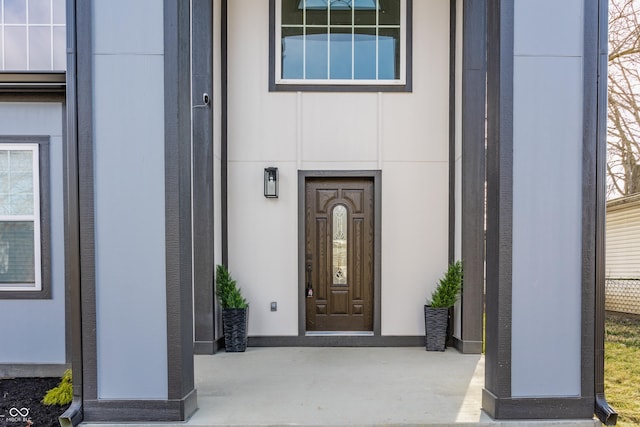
(377,35)
(304,39)
(3,36)
(353,40)
(26,12)
(328,39)
(9,158)
(51,31)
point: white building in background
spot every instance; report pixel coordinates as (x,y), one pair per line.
(623,255)
(149,156)
(623,238)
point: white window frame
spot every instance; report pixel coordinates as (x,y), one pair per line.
(35,217)
(402,81)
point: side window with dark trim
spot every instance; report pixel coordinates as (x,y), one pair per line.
(24,217)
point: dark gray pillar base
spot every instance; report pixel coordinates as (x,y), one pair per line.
(536,408)
(207,347)
(140,410)
(467,347)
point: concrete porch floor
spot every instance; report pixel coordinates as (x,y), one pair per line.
(343,387)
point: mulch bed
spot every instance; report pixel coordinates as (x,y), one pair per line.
(21,403)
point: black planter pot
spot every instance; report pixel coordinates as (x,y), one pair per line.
(435,325)
(234,322)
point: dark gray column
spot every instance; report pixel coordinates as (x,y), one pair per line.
(541,203)
(203,188)
(177,140)
(473,172)
(134,197)
(499,203)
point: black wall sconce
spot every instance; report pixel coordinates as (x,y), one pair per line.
(271,183)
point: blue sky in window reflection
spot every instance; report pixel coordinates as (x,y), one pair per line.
(338,4)
(364,57)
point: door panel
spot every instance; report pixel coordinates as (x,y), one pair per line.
(339,244)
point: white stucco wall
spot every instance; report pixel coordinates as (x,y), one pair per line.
(33,331)
(403,134)
(129,199)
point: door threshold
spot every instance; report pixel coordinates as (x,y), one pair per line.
(339,333)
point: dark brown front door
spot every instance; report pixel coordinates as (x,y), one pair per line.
(339,241)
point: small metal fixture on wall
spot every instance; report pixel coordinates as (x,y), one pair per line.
(271,183)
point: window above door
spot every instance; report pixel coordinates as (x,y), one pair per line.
(340,45)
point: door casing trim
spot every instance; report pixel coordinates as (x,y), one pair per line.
(376,176)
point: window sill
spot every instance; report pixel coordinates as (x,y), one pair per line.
(42,294)
(275,87)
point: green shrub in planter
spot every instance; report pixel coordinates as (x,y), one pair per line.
(234,311)
(228,293)
(436,312)
(448,290)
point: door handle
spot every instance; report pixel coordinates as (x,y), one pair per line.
(309,286)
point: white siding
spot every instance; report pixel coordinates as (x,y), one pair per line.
(403,134)
(623,241)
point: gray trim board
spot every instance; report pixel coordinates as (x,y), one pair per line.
(83,37)
(23,370)
(598,130)
(376,175)
(337,341)
(33,77)
(500,15)
(68,310)
(45,216)
(452,131)
(474,73)
(224,126)
(31,96)
(177,131)
(274,87)
(136,410)
(590,196)
(203,180)
(72,257)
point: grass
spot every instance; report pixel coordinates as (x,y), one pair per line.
(622,367)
